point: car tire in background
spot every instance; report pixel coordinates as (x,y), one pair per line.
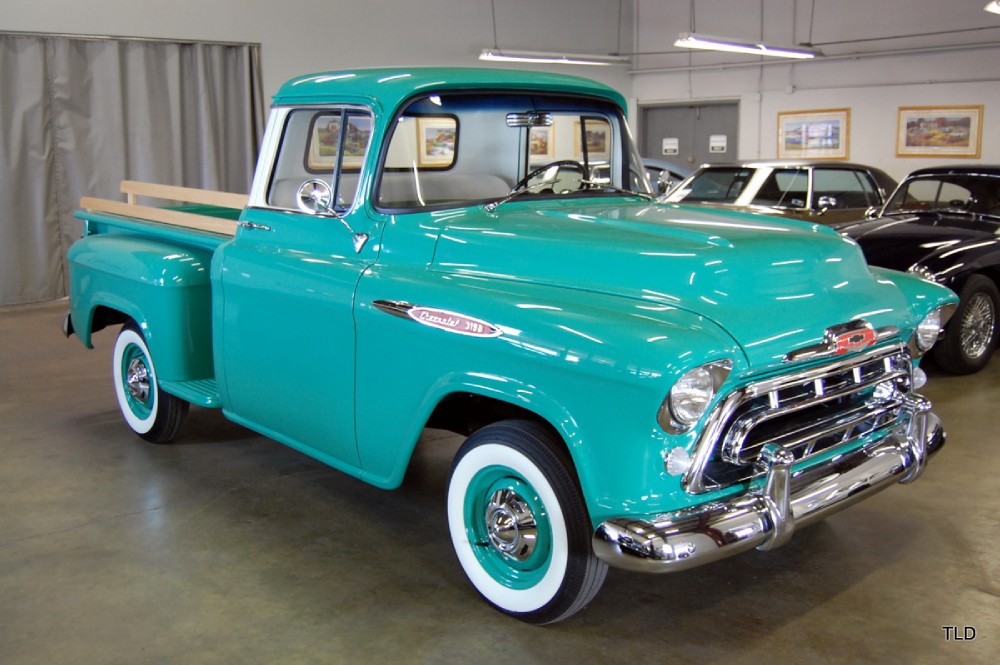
(971,334)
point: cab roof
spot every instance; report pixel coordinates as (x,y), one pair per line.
(389,86)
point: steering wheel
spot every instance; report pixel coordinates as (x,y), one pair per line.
(523,182)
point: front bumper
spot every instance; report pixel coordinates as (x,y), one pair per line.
(766,517)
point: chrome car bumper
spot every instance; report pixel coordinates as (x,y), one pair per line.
(765,518)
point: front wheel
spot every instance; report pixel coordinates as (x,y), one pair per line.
(151,413)
(971,335)
(519,525)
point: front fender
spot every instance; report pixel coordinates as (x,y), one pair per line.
(952,265)
(163,287)
(596,367)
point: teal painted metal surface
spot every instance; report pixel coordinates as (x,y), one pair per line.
(387,88)
(161,285)
(592,308)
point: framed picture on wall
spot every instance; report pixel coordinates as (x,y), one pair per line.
(819,134)
(939,131)
(436,137)
(598,139)
(325,142)
(541,142)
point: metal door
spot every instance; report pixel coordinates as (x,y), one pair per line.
(690,135)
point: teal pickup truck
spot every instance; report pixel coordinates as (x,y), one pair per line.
(643,385)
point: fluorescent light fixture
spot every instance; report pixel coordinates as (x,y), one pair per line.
(543,57)
(993,6)
(709,43)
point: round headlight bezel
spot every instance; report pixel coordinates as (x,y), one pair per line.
(691,396)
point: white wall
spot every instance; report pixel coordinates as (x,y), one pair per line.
(303,36)
(299,36)
(852,76)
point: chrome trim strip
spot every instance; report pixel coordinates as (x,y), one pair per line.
(765,518)
(398,308)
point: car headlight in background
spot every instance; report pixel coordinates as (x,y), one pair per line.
(690,397)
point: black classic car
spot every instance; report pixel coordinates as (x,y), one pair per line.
(819,191)
(944,223)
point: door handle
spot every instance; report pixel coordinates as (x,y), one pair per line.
(252,226)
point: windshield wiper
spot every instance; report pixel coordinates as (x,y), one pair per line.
(490,207)
(618,190)
(516,192)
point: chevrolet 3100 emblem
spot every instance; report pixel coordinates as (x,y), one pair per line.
(441,319)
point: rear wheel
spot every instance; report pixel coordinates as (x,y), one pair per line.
(151,413)
(971,335)
(519,525)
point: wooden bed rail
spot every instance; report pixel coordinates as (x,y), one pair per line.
(132,189)
(190,220)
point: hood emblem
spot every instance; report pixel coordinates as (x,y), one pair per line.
(442,319)
(841,339)
(854,340)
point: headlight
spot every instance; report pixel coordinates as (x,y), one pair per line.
(691,396)
(928,331)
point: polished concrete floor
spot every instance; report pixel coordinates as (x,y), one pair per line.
(225,547)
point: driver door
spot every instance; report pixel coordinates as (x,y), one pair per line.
(288,281)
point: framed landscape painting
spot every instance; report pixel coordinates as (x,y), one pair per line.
(939,131)
(436,138)
(819,134)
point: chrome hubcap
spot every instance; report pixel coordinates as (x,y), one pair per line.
(137,379)
(977,326)
(511,525)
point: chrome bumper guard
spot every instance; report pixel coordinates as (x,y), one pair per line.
(766,518)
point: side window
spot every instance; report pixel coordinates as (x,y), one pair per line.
(784,187)
(925,194)
(918,195)
(954,195)
(843,188)
(328,145)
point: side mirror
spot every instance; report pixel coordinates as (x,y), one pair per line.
(826,202)
(664,185)
(314,197)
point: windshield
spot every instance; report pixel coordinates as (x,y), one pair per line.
(963,193)
(717,185)
(463,149)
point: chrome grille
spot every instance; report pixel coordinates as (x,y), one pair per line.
(807,413)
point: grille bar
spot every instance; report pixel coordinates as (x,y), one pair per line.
(806,412)
(798,440)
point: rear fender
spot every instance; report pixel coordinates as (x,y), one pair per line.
(165,288)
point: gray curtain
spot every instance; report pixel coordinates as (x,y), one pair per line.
(79,115)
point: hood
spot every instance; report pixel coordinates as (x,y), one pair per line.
(902,241)
(774,285)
